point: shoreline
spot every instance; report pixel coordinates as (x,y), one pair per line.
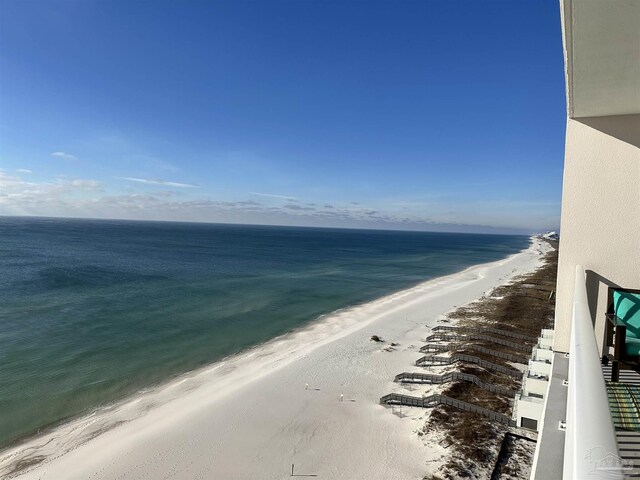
(134,424)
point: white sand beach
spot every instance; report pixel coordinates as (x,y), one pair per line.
(252,416)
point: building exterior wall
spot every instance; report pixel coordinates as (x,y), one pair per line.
(529,408)
(535,386)
(600,224)
(543,354)
(539,368)
(545,342)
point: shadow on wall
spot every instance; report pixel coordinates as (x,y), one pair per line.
(623,127)
(594,280)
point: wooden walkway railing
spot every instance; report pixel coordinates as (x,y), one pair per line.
(449,337)
(411,377)
(430,347)
(433,400)
(496,331)
(462,357)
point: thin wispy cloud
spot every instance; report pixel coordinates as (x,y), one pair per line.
(273,195)
(63,155)
(86,184)
(23,170)
(293,206)
(155,181)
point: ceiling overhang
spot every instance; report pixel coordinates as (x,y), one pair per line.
(602,56)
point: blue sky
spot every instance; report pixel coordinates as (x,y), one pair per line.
(434,115)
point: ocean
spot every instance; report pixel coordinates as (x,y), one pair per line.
(93,310)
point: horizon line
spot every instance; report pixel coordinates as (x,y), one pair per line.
(203,222)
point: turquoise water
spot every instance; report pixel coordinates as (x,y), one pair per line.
(91,311)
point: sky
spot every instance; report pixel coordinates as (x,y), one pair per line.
(417,115)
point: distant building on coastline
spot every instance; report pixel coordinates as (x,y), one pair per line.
(581,434)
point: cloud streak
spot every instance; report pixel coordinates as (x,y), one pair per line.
(155,181)
(293,206)
(273,195)
(63,155)
(92,185)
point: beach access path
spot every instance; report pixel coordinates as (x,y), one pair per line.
(309,398)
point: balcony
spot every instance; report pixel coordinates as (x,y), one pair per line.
(596,424)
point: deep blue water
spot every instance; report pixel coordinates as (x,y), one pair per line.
(91,311)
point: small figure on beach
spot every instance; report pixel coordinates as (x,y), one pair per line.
(341,397)
(306,386)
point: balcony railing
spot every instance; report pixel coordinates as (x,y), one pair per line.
(590,445)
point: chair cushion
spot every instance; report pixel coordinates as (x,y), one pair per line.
(627,308)
(632,346)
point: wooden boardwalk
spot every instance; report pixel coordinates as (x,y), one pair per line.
(429,360)
(495,331)
(452,337)
(431,347)
(434,400)
(410,377)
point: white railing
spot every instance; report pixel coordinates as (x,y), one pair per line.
(590,449)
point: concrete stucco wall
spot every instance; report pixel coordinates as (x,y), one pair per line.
(600,224)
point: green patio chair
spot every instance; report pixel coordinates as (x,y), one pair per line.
(623,315)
